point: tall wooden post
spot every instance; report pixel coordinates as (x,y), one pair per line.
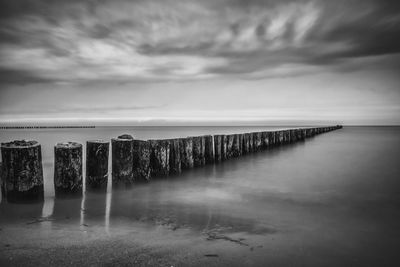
(159,158)
(209,149)
(175,165)
(198,151)
(68,169)
(217,148)
(122,160)
(186,152)
(141,161)
(97,164)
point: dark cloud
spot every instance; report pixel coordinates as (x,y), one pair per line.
(142,39)
(21,77)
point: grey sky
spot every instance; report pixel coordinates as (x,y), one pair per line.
(179,61)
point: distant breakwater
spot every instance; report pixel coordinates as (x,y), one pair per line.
(132,160)
(45,127)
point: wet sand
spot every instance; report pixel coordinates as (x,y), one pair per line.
(331,201)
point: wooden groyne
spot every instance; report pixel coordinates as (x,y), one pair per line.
(21,175)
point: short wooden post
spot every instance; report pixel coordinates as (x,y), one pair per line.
(22,171)
(141,161)
(122,160)
(186,152)
(175,165)
(159,158)
(97,164)
(68,169)
(209,149)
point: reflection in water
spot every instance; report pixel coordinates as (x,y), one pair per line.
(48,207)
(83,211)
(107,213)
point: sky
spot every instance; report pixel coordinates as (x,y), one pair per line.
(208,62)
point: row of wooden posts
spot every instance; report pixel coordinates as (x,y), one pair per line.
(132,160)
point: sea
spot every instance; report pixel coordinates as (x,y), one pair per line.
(332,200)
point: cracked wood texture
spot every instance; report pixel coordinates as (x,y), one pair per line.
(68,169)
(122,160)
(22,171)
(97,152)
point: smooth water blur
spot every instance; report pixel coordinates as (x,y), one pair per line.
(335,196)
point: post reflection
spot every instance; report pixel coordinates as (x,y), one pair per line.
(48,207)
(108,201)
(82,211)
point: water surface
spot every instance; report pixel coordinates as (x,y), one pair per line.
(333,200)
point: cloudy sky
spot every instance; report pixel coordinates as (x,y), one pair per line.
(212,61)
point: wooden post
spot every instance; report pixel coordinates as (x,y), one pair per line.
(159,158)
(209,149)
(293,136)
(175,165)
(264,140)
(251,143)
(271,136)
(236,146)
(217,148)
(198,151)
(141,161)
(258,141)
(122,160)
(22,171)
(97,164)
(186,152)
(224,144)
(229,146)
(246,144)
(68,169)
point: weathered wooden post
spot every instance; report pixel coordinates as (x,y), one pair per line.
(122,160)
(293,136)
(246,144)
(271,138)
(198,151)
(68,169)
(209,149)
(22,171)
(229,146)
(303,134)
(97,164)
(175,165)
(264,140)
(240,145)
(141,161)
(217,148)
(159,158)
(186,152)
(224,145)
(235,152)
(258,141)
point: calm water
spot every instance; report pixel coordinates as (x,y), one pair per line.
(333,200)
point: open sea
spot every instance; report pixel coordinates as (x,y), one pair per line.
(333,200)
